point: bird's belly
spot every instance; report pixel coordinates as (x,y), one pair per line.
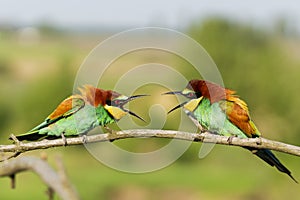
(213,119)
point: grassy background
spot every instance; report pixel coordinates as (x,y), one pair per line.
(263,65)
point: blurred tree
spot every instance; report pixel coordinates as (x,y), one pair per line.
(48,29)
(5,116)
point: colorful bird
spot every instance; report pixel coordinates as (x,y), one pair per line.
(221,111)
(80,113)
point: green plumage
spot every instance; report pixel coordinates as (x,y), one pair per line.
(220,111)
(212,118)
(78,123)
(80,113)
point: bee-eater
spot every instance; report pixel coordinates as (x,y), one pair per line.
(219,110)
(80,113)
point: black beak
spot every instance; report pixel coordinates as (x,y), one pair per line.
(133,114)
(173,93)
(132,98)
(121,103)
(176,107)
(137,96)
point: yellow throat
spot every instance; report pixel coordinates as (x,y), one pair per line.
(116,112)
(192,104)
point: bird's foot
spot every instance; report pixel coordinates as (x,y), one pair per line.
(202,131)
(84,139)
(258,141)
(64,139)
(229,140)
(112,134)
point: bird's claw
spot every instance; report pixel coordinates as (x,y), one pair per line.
(258,141)
(229,140)
(203,130)
(112,134)
(64,139)
(84,139)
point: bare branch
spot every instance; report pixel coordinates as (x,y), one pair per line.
(259,143)
(51,178)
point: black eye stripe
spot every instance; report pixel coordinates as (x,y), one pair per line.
(198,94)
(108,102)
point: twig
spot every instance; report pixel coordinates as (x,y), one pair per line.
(44,171)
(147,133)
(63,176)
(13,181)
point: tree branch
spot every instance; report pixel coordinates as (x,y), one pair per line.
(56,181)
(207,137)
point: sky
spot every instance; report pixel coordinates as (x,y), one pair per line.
(139,13)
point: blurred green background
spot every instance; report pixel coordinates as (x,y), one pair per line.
(37,70)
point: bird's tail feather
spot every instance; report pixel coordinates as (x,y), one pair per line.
(31,136)
(270,158)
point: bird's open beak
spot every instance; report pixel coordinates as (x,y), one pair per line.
(130,99)
(174,93)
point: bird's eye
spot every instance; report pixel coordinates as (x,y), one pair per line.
(190,94)
(116,102)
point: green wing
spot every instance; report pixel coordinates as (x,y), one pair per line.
(65,109)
